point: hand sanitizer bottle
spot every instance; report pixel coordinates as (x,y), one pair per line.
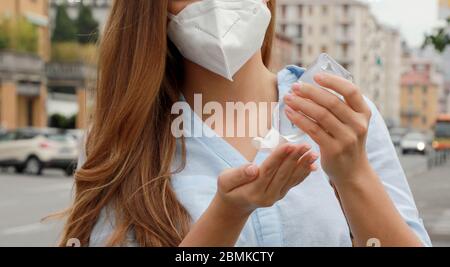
(324,63)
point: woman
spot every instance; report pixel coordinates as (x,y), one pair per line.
(141,186)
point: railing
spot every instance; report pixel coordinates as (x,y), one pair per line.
(437,158)
(70,71)
(21,63)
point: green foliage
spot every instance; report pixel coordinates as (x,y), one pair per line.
(62,122)
(18,35)
(85,29)
(440,39)
(88,28)
(5,35)
(72,52)
(65,29)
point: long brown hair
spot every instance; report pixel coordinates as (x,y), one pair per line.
(129,146)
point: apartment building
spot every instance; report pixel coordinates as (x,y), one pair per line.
(420,91)
(348,31)
(22,79)
(444,13)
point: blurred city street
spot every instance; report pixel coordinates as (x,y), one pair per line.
(24,200)
(49,59)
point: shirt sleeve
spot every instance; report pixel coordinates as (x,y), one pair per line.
(383,158)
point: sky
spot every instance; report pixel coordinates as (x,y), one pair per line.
(413,18)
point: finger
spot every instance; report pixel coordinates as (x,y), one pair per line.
(286,169)
(304,166)
(233,178)
(325,99)
(309,127)
(321,115)
(270,166)
(347,89)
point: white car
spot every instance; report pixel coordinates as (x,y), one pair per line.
(414,142)
(32,150)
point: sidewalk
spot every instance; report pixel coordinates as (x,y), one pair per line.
(431,191)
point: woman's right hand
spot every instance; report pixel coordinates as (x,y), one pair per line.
(244,189)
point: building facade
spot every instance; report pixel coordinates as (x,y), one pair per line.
(420,91)
(347,30)
(444,14)
(23,91)
(282,52)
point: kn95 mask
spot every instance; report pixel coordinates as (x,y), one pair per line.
(220,35)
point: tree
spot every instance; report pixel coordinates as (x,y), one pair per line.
(18,35)
(440,39)
(88,28)
(62,122)
(65,29)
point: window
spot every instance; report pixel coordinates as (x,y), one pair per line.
(283,11)
(300,10)
(310,30)
(310,50)
(311,10)
(25,136)
(324,10)
(324,29)
(299,50)
(7,137)
(424,120)
(324,49)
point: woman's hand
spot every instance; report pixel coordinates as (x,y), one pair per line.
(245,189)
(339,128)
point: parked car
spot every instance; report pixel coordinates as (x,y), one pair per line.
(32,150)
(397,135)
(414,142)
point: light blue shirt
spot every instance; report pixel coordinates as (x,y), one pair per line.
(309,215)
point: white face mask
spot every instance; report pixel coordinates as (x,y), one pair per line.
(220,35)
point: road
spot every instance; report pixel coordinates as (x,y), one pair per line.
(25,200)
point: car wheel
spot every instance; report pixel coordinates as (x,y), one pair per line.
(69,171)
(33,166)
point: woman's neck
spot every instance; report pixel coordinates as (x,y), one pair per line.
(252,83)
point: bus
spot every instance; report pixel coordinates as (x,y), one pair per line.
(442,133)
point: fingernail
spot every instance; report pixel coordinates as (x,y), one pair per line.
(289,149)
(320,77)
(297,87)
(288,110)
(288,98)
(314,157)
(251,170)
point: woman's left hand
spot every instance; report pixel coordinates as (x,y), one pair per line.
(339,128)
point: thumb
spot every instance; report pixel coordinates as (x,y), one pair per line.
(232,178)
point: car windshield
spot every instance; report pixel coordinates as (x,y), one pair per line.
(443,130)
(415,137)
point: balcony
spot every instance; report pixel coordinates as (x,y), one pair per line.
(70,74)
(410,112)
(21,66)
